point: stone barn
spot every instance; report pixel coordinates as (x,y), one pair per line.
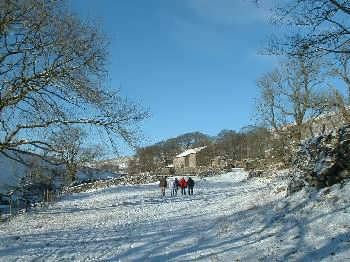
(187,160)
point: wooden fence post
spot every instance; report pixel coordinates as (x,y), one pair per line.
(17,202)
(10,205)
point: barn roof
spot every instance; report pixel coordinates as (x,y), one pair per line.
(191,151)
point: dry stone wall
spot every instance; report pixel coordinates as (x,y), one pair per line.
(321,161)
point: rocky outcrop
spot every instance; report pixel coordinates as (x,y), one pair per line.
(321,161)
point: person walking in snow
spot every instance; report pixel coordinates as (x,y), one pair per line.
(190,185)
(183,185)
(162,184)
(175,187)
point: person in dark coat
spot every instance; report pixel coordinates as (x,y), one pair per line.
(183,185)
(190,185)
(162,184)
(175,187)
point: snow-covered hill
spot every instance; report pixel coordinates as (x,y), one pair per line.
(229,218)
(11,172)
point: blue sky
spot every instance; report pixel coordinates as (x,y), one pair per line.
(193,63)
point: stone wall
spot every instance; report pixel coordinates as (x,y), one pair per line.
(321,161)
(189,161)
(179,162)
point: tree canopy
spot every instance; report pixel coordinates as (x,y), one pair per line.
(53,74)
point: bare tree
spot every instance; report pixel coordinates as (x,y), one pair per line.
(340,69)
(257,140)
(322,26)
(70,148)
(133,166)
(52,70)
(149,158)
(291,97)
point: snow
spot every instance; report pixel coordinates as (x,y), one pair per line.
(229,218)
(94,174)
(191,151)
(11,173)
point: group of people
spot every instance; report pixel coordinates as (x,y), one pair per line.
(183,184)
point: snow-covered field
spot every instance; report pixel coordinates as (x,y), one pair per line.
(229,218)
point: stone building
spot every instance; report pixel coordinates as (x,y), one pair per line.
(187,160)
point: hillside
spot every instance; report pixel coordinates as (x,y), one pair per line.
(10,174)
(229,218)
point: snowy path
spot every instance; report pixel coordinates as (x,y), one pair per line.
(228,219)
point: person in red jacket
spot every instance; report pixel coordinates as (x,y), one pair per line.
(183,185)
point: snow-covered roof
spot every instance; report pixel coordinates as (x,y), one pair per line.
(191,151)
